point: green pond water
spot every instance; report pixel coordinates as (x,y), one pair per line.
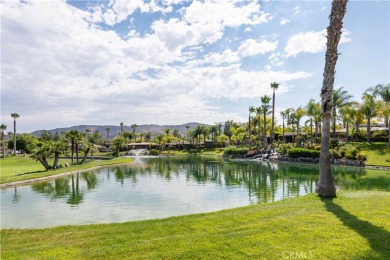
(153,188)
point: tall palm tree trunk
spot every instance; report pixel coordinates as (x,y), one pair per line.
(368,130)
(272,133)
(311,130)
(265,130)
(325,186)
(14,136)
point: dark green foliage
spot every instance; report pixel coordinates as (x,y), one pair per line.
(336,154)
(24,142)
(303,152)
(283,148)
(233,150)
(334,142)
(153,152)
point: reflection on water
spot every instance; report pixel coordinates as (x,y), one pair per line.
(161,187)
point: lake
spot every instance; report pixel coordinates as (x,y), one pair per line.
(153,188)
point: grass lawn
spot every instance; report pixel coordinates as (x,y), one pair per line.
(377,153)
(211,151)
(17,168)
(353,226)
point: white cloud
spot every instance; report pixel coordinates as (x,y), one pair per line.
(310,42)
(71,71)
(231,13)
(284,21)
(251,47)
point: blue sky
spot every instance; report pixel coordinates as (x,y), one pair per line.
(66,63)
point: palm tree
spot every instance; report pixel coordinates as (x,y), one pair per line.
(121,124)
(3,127)
(325,186)
(340,98)
(251,110)
(42,153)
(134,126)
(311,112)
(384,92)
(108,132)
(58,148)
(73,136)
(274,86)
(117,143)
(368,109)
(265,106)
(283,115)
(259,112)
(347,113)
(14,116)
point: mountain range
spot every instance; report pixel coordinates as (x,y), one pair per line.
(115,129)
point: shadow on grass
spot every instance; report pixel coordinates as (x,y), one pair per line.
(377,237)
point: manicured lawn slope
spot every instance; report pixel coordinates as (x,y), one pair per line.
(353,226)
(17,168)
(377,153)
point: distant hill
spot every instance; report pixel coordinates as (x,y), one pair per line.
(115,129)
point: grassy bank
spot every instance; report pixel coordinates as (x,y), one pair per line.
(211,151)
(377,153)
(18,168)
(353,226)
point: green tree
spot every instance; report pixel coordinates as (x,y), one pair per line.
(74,137)
(347,114)
(24,142)
(226,129)
(368,109)
(325,186)
(251,110)
(383,91)
(3,127)
(274,87)
(121,125)
(58,148)
(14,116)
(42,153)
(265,108)
(117,144)
(134,126)
(108,133)
(312,108)
(340,98)
(283,115)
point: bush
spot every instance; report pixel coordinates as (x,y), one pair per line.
(361,156)
(349,151)
(154,152)
(335,154)
(302,152)
(233,150)
(334,142)
(283,148)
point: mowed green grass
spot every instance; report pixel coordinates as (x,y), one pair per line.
(17,168)
(353,226)
(377,153)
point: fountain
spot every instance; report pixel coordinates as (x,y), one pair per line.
(137,152)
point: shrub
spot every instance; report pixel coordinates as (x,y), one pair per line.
(361,156)
(335,154)
(233,150)
(283,148)
(349,151)
(302,152)
(334,142)
(153,152)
